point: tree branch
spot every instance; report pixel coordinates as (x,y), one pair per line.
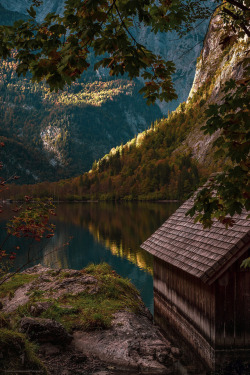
(124,25)
(90,40)
(236,18)
(238,5)
(9,275)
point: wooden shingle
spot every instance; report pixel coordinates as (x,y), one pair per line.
(198,251)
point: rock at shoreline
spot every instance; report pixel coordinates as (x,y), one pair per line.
(87,322)
(132,343)
(45,330)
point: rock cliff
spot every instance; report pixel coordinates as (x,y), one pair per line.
(222,58)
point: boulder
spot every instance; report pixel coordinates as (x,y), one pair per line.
(38,308)
(132,343)
(45,330)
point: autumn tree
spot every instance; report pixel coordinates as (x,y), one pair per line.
(57,50)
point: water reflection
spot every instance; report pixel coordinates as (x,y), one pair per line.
(103,232)
(120,228)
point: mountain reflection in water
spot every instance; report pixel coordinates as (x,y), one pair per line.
(105,232)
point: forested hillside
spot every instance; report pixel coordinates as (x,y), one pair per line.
(147,167)
(170,158)
(69,129)
(66,132)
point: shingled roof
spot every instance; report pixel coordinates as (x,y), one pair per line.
(202,253)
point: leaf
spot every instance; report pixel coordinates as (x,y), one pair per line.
(219,154)
(31,11)
(245,263)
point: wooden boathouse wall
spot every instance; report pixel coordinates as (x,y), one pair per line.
(181,301)
(199,286)
(212,318)
(232,312)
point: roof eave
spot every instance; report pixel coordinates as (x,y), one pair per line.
(226,265)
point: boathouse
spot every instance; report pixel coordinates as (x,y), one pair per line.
(200,288)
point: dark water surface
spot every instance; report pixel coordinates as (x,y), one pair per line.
(104,232)
(112,233)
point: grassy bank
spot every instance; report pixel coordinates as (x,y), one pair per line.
(90,309)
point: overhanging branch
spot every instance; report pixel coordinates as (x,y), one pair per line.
(239,5)
(236,18)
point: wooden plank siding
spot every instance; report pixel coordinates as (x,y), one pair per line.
(199,286)
(189,295)
(233,308)
(214,319)
(172,322)
(186,304)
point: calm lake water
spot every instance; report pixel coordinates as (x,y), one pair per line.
(104,232)
(112,233)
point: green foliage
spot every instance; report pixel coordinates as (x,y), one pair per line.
(236,14)
(57,50)
(227,193)
(246,263)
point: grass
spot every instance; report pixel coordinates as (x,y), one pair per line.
(15,282)
(95,311)
(14,346)
(84,311)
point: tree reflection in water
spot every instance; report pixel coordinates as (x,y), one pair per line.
(109,232)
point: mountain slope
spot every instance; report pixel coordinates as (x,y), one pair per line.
(68,130)
(223,57)
(72,128)
(8,17)
(169,159)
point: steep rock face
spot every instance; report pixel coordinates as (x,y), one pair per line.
(8,17)
(221,59)
(183,51)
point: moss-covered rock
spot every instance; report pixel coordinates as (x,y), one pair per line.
(73,314)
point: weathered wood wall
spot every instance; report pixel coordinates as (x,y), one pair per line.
(232,314)
(187,304)
(211,318)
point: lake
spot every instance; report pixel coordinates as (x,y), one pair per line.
(108,232)
(103,232)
